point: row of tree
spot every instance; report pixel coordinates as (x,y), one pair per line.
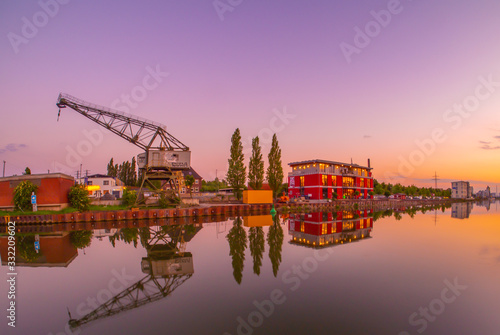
(126,171)
(236,173)
(238,241)
(213,186)
(388,189)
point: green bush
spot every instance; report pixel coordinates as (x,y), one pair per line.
(78,197)
(81,239)
(26,248)
(129,197)
(163,202)
(22,195)
(168,200)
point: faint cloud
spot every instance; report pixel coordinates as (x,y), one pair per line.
(367,136)
(486,145)
(12,147)
(489,147)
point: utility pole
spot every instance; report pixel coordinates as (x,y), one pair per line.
(87,173)
(217,180)
(80,170)
(435,180)
(3,168)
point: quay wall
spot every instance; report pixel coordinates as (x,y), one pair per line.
(228,210)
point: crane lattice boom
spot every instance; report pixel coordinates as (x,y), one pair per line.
(147,290)
(143,133)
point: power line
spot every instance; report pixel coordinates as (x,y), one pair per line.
(435,177)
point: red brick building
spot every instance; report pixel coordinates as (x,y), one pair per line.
(56,250)
(52,191)
(320,229)
(180,182)
(319,179)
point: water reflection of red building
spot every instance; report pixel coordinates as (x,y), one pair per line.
(321,229)
(56,250)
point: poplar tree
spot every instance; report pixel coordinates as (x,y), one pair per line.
(133,173)
(111,168)
(236,173)
(275,170)
(256,166)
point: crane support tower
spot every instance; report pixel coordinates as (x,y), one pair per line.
(164,155)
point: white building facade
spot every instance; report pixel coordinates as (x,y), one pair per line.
(98,185)
(461,190)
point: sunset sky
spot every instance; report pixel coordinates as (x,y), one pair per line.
(330,79)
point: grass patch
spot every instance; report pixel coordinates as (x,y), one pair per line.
(95,208)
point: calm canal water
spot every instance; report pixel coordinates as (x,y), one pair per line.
(436,272)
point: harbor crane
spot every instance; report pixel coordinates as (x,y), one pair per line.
(167,266)
(164,155)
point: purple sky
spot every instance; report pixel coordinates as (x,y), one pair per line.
(264,59)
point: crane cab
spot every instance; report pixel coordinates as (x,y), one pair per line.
(163,159)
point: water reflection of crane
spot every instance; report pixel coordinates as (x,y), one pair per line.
(164,155)
(167,266)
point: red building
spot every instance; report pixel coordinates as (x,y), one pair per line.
(399,196)
(181,185)
(319,179)
(56,250)
(321,229)
(52,191)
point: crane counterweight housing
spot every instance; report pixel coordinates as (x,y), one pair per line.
(165,159)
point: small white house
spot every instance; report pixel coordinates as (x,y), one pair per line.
(99,184)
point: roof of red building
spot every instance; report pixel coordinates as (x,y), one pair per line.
(264,187)
(36,176)
(322,161)
(191,172)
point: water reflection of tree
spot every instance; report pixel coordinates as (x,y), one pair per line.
(411,211)
(237,238)
(81,239)
(26,248)
(144,236)
(127,235)
(275,240)
(256,241)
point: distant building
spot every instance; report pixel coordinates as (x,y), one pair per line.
(52,191)
(180,182)
(399,196)
(484,194)
(100,184)
(461,190)
(319,179)
(461,210)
